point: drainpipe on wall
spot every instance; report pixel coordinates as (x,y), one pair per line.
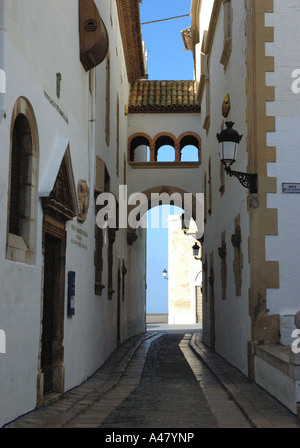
(2,58)
(92,120)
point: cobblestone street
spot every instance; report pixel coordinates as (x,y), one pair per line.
(169,395)
(161,380)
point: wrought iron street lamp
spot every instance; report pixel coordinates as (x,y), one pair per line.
(229,140)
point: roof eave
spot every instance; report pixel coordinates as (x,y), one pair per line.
(130,27)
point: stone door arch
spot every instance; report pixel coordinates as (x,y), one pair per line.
(59,206)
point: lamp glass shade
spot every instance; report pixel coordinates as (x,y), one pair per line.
(195,250)
(228,152)
(229,138)
(165,272)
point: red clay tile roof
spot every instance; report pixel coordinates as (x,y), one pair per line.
(163,96)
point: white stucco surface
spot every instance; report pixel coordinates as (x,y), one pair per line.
(286,109)
(232,322)
(276,383)
(183,269)
(34,33)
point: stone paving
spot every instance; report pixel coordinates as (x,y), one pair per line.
(263,410)
(168,395)
(161,380)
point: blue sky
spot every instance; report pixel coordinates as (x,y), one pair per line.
(167,60)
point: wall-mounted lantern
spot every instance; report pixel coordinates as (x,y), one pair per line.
(165,273)
(196,250)
(229,140)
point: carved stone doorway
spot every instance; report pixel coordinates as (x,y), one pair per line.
(59,207)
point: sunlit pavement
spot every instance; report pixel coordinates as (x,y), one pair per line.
(179,329)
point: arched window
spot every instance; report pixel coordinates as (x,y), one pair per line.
(22,184)
(166,153)
(164,149)
(139,149)
(189,149)
(19,179)
(198,297)
(189,154)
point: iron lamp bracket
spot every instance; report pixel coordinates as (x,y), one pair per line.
(246,179)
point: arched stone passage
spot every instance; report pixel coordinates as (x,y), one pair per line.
(140,203)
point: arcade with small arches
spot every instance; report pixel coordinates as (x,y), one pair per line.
(164,147)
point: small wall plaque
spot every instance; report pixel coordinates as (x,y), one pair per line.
(290,187)
(226,106)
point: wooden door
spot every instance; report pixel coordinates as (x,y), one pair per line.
(51,275)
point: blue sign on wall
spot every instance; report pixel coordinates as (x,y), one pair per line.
(71,293)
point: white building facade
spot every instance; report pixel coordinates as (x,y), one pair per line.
(77,117)
(245,56)
(70,292)
(184,274)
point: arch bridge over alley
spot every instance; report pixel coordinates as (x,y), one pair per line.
(165,116)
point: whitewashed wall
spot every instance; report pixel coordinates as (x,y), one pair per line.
(152,124)
(42,40)
(28,74)
(232,323)
(133,309)
(206,9)
(286,109)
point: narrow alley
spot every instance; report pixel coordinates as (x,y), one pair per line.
(163,379)
(111,111)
